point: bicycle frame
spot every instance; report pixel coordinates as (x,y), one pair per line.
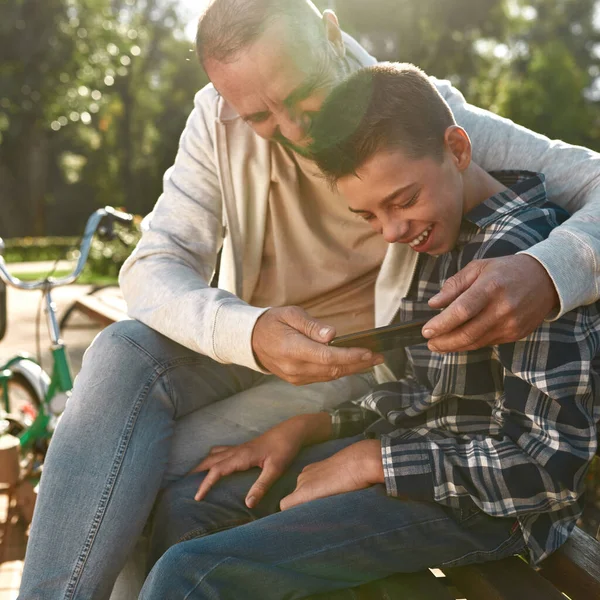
(61,380)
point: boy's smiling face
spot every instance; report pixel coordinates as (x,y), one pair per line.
(419,202)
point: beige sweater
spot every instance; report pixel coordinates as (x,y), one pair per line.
(216,195)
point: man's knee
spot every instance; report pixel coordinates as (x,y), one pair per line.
(124,359)
(126,336)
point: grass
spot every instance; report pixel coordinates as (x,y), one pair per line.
(84,278)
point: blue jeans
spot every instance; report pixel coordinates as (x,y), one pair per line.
(324,545)
(144,411)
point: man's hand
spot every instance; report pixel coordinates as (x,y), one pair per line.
(491,301)
(292,345)
(354,468)
(272,451)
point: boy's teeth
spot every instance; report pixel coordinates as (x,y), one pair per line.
(420,239)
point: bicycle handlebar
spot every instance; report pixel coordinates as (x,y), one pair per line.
(91,227)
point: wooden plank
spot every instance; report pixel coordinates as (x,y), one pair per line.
(99,310)
(402,586)
(507,579)
(575,567)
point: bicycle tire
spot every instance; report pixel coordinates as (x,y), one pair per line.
(23,400)
(3,309)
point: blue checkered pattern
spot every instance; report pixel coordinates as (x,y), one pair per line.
(509,428)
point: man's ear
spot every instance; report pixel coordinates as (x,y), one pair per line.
(458,143)
(334,33)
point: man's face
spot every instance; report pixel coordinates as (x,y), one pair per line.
(416,202)
(277,90)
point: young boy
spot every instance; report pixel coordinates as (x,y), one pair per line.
(470,456)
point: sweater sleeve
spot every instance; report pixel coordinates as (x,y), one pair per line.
(165,281)
(573,182)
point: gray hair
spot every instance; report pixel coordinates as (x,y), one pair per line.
(228,26)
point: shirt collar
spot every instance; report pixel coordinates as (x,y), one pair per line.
(524,190)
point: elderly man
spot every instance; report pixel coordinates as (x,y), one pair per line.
(202,366)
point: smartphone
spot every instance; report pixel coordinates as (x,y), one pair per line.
(380,339)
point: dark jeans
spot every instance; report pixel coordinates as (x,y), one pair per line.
(328,544)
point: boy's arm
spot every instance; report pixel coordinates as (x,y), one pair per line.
(573,182)
(547,435)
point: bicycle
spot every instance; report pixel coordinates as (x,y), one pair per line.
(27,392)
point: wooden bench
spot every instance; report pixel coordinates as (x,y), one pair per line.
(104,304)
(573,570)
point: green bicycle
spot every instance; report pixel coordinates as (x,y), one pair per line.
(29,396)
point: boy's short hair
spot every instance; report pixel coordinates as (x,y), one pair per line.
(387,106)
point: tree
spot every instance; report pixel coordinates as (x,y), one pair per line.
(545,74)
(85,98)
(437,36)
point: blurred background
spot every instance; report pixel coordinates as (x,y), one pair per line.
(94,93)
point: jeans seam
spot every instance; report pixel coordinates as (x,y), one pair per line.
(160,369)
(108,488)
(358,539)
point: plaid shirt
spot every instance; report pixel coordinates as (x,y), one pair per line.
(511,428)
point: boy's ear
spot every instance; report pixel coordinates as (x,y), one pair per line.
(459,145)
(334,33)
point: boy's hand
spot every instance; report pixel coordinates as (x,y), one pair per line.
(289,343)
(272,451)
(491,301)
(354,468)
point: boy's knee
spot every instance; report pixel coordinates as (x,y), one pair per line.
(176,514)
(160,582)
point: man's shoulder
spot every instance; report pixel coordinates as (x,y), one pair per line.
(513,221)
(207,100)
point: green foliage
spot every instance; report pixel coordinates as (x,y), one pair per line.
(437,36)
(105,259)
(544,71)
(550,78)
(94,94)
(534,61)
(38,248)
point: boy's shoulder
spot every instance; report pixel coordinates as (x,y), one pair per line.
(512,220)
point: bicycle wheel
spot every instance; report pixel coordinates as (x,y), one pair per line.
(23,400)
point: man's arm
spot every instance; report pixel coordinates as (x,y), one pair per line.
(572,181)
(165,281)
(494,305)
